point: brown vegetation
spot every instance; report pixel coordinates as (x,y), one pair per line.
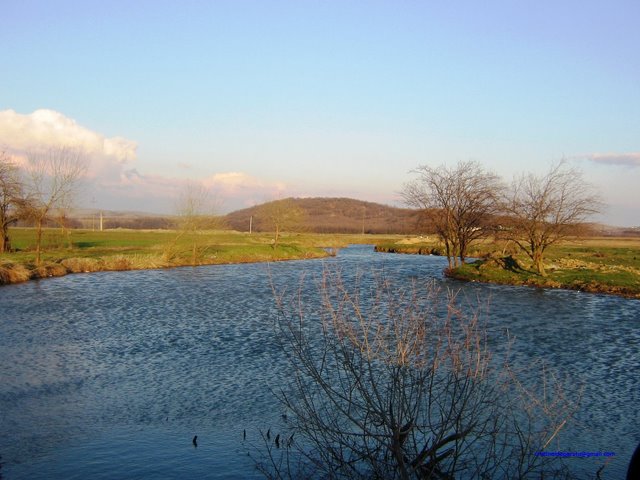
(13,273)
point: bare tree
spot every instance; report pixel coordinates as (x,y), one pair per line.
(399,384)
(196,210)
(460,201)
(11,198)
(545,209)
(282,215)
(51,185)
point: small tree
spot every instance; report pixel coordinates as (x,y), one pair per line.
(282,215)
(400,383)
(460,200)
(11,198)
(51,185)
(545,209)
(196,214)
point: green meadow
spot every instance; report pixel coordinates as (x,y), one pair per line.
(77,251)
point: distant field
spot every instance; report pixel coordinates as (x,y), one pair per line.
(89,241)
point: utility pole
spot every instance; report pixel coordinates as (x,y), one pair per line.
(93,214)
(250,224)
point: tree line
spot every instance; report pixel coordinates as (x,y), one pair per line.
(467,202)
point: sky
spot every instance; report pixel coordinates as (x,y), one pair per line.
(259,100)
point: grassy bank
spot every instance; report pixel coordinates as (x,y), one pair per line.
(92,251)
(609,265)
(606,265)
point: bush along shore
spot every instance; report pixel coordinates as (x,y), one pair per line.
(599,265)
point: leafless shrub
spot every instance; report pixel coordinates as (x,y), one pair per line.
(282,216)
(401,383)
(196,209)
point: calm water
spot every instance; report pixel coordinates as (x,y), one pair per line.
(110,375)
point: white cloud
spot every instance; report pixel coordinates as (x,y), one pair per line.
(114,181)
(45,129)
(626,159)
(241,189)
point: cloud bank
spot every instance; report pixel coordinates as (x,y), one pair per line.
(114,181)
(625,159)
(45,129)
(243,190)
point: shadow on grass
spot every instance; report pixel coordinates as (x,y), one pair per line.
(87,244)
(511,264)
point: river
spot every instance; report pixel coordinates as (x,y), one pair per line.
(111,374)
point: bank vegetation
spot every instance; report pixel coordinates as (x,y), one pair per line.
(122,249)
(585,263)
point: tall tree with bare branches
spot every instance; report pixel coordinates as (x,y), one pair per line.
(544,209)
(52,182)
(460,200)
(11,198)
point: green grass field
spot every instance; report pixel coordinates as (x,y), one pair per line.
(143,249)
(610,265)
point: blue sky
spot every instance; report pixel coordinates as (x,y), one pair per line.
(267,99)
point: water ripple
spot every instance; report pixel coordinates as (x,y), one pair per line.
(111,374)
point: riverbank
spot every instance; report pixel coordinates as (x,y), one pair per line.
(83,251)
(598,264)
(11,272)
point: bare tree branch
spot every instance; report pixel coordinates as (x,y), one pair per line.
(11,198)
(282,215)
(197,213)
(545,209)
(51,185)
(401,384)
(460,200)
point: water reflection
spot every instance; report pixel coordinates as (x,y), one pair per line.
(112,374)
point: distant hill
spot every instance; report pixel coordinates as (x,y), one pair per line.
(335,215)
(322,215)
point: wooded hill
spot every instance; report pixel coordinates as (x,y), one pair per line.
(334,215)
